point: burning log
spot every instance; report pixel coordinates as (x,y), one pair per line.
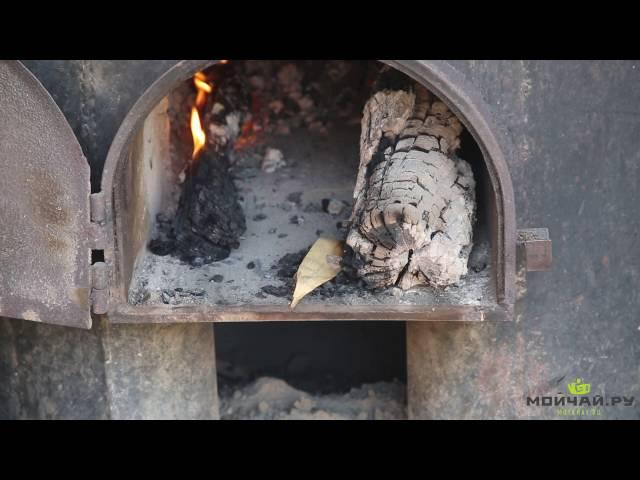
(414,204)
(209,220)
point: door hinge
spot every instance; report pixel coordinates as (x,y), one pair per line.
(97,231)
(100,272)
(100,287)
(534,246)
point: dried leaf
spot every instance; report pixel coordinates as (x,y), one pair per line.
(321,264)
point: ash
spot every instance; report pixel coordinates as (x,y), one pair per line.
(289,133)
(316,170)
(345,283)
(274,399)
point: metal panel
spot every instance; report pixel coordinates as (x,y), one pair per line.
(44,207)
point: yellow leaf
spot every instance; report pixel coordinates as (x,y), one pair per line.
(320,265)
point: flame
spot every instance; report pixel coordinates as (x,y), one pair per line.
(199,137)
(204,89)
(200,81)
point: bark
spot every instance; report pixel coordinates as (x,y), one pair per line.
(414,207)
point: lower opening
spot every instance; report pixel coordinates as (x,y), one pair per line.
(318,370)
(296,128)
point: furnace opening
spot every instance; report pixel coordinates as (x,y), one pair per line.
(240,169)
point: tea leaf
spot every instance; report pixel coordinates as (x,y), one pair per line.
(321,264)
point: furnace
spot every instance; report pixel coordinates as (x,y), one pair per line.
(261,159)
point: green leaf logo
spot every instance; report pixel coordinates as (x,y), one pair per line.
(577,387)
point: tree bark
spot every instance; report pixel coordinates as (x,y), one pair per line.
(414,208)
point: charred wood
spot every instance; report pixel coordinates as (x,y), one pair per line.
(414,208)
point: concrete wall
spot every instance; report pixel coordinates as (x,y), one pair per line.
(109,372)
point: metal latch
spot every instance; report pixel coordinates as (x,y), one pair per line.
(535,246)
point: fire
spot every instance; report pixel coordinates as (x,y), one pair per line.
(204,89)
(199,137)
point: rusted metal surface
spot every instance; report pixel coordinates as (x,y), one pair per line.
(536,248)
(440,78)
(579,319)
(99,288)
(268,313)
(44,207)
(98,239)
(98,214)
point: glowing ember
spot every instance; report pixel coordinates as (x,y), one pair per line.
(248,136)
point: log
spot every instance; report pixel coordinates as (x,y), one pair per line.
(414,200)
(209,220)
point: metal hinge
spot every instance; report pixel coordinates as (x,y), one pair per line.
(100,273)
(99,288)
(97,232)
(534,246)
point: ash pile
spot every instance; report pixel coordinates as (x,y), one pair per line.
(274,399)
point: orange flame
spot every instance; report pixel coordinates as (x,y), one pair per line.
(199,137)
(203,87)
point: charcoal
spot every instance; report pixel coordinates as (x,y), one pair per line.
(210,220)
(161,247)
(281,291)
(295,197)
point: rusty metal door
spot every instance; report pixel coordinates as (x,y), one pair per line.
(44,207)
